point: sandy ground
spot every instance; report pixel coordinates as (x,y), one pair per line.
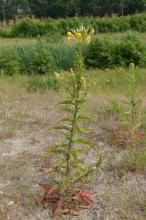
(25,120)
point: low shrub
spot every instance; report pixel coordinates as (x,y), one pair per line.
(5,33)
(104,53)
(9,63)
(31,28)
(43,61)
(45,58)
(129,50)
(25,28)
(99,53)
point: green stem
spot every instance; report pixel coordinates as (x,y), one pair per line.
(71,139)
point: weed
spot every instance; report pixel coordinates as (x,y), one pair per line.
(70,172)
(53,83)
(131,117)
(35,84)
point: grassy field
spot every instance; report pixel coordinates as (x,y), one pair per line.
(19,41)
(119,188)
(4,42)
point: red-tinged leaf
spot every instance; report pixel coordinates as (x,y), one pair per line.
(84,197)
(122,140)
(48,192)
(45,186)
(140,133)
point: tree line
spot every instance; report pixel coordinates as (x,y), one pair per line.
(10,9)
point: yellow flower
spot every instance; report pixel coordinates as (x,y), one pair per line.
(69,34)
(79,35)
(88,40)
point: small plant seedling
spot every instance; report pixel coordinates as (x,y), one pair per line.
(65,190)
(132,121)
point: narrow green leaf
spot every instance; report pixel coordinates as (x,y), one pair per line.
(83,117)
(81,101)
(55,148)
(62,127)
(82,142)
(81,130)
(66,120)
(68,110)
(58,151)
(67,102)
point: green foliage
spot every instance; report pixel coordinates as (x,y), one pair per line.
(69,8)
(69,169)
(130,133)
(63,55)
(53,83)
(99,53)
(32,28)
(9,65)
(43,61)
(134,161)
(73,145)
(132,115)
(129,50)
(39,84)
(104,53)
(4,33)
(35,84)
(115,107)
(25,27)
(44,57)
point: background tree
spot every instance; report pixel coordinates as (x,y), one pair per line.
(68,8)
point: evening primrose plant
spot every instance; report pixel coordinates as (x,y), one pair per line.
(69,174)
(131,119)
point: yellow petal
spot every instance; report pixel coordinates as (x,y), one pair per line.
(69,34)
(88,40)
(79,35)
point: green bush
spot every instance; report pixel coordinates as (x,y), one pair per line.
(26,28)
(65,25)
(9,63)
(99,53)
(43,60)
(106,53)
(36,59)
(129,50)
(31,28)
(5,33)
